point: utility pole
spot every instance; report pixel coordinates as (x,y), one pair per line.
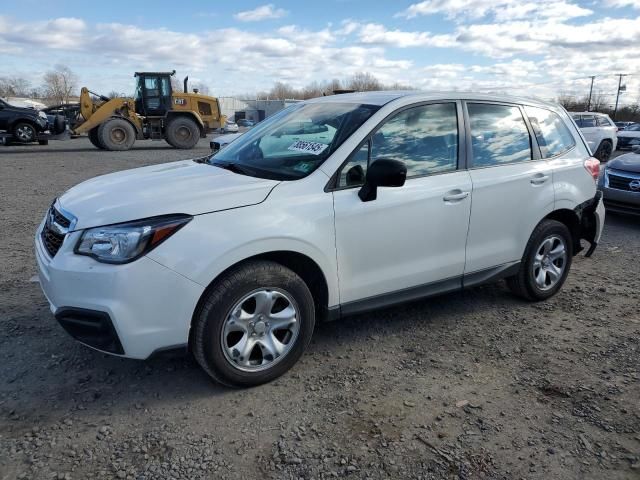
(590,92)
(615,110)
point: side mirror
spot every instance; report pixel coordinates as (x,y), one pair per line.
(635,149)
(382,173)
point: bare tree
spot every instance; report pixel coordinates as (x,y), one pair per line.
(60,83)
(364,81)
(14,87)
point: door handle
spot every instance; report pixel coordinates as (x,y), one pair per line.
(455,196)
(539,179)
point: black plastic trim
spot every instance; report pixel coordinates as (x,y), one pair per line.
(91,327)
(490,274)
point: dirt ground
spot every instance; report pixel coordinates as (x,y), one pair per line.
(472,385)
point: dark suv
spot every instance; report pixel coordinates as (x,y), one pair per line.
(23,123)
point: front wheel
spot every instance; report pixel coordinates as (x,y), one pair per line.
(545,263)
(254,324)
(116,134)
(24,132)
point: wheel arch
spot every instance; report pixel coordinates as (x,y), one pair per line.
(571,220)
(303,265)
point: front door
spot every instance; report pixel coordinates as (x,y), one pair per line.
(412,236)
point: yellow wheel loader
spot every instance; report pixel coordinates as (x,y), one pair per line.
(156,112)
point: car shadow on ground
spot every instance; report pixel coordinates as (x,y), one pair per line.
(77,378)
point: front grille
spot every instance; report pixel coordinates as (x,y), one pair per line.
(620,182)
(54,230)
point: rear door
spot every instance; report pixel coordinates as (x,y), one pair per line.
(512,186)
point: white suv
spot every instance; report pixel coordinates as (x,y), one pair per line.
(599,131)
(333,206)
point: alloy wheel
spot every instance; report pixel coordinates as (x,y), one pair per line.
(260,329)
(549,262)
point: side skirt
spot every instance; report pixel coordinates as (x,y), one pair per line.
(376,302)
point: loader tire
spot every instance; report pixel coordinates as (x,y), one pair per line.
(182,132)
(116,134)
(93,138)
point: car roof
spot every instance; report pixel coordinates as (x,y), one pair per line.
(383,97)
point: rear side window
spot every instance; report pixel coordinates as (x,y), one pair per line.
(588,121)
(499,135)
(554,138)
(602,122)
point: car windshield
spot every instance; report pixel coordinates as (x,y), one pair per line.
(294,142)
(633,128)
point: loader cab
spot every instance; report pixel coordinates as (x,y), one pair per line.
(153,93)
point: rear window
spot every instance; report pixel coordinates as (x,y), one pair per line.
(498,135)
(554,138)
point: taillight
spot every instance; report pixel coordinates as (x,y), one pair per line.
(593,167)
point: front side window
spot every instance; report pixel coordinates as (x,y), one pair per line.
(499,135)
(554,138)
(425,138)
(294,142)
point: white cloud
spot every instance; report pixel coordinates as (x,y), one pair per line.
(263,12)
(623,3)
(501,9)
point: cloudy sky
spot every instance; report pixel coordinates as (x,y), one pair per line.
(534,47)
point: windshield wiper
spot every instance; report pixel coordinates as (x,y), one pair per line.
(234,167)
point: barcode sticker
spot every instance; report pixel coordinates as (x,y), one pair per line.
(308,147)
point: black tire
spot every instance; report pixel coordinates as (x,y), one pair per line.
(116,134)
(93,138)
(603,153)
(216,307)
(59,124)
(43,142)
(183,133)
(524,283)
(24,132)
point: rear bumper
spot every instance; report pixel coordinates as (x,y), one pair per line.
(592,216)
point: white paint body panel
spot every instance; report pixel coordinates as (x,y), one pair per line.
(407,237)
(506,208)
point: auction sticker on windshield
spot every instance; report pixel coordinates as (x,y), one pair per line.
(308,147)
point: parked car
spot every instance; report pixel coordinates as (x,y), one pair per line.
(623,125)
(629,137)
(243,122)
(394,197)
(230,127)
(23,123)
(599,131)
(222,141)
(620,183)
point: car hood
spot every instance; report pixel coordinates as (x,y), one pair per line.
(629,162)
(179,187)
(632,133)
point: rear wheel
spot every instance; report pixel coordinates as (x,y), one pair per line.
(182,132)
(116,134)
(24,132)
(603,153)
(545,263)
(93,138)
(254,324)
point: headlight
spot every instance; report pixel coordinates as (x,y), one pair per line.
(125,242)
(43,115)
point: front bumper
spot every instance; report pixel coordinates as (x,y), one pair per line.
(621,201)
(131,310)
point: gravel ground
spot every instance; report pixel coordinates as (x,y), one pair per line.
(472,385)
